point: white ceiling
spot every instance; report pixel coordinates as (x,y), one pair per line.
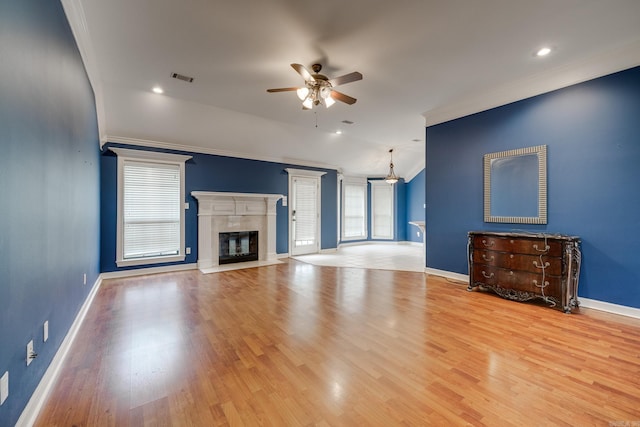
(423,61)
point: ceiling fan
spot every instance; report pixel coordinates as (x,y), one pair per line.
(318,88)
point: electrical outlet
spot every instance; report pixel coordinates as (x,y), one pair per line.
(418,233)
(30,352)
(84,279)
(4,387)
(188,251)
(46,331)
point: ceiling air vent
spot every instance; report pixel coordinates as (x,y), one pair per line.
(182,77)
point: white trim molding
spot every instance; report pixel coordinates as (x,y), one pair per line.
(621,310)
(448,274)
(128,155)
(214,151)
(598,65)
(39,396)
(148,270)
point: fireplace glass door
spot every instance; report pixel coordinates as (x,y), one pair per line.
(238,247)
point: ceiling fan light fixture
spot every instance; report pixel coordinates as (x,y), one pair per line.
(302,93)
(329,101)
(391,178)
(308,103)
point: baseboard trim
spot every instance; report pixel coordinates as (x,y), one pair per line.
(447,274)
(39,396)
(149,270)
(379,242)
(284,255)
(329,251)
(608,307)
(621,310)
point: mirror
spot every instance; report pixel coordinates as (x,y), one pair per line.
(515,186)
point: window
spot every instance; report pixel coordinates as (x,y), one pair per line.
(381,210)
(354,209)
(150,207)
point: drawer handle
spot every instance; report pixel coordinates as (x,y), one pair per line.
(546,264)
(487,276)
(486,258)
(546,248)
(489,244)
(546,283)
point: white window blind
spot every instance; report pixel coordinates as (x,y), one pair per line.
(151,209)
(306,224)
(382,210)
(354,211)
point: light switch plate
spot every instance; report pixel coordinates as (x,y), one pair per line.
(4,387)
(46,331)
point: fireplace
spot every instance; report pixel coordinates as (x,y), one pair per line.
(220,212)
(238,246)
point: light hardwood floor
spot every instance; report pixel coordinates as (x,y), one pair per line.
(298,344)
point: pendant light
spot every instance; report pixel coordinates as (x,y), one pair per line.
(391,178)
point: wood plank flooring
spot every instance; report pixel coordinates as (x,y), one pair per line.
(296,345)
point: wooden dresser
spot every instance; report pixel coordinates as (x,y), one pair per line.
(526,266)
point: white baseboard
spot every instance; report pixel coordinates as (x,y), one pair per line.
(622,310)
(149,270)
(447,274)
(284,255)
(379,242)
(329,251)
(39,396)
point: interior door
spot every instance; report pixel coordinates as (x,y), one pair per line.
(305,215)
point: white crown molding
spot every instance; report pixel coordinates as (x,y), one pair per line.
(214,151)
(413,172)
(625,57)
(77,21)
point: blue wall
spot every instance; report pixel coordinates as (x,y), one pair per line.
(592,132)
(415,205)
(205,172)
(49,183)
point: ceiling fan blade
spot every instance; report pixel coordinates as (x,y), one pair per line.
(339,96)
(282,89)
(347,78)
(306,75)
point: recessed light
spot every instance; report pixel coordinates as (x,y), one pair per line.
(338,132)
(544,51)
(157,90)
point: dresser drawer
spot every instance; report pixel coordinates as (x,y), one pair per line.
(517,280)
(532,263)
(531,246)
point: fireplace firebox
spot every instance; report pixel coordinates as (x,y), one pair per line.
(238,246)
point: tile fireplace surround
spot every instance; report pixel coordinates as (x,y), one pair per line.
(220,212)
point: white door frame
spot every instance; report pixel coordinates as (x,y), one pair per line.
(301,173)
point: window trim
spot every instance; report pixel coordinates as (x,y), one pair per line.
(125,154)
(359,182)
(392,201)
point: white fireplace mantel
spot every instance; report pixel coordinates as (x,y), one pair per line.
(222,212)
